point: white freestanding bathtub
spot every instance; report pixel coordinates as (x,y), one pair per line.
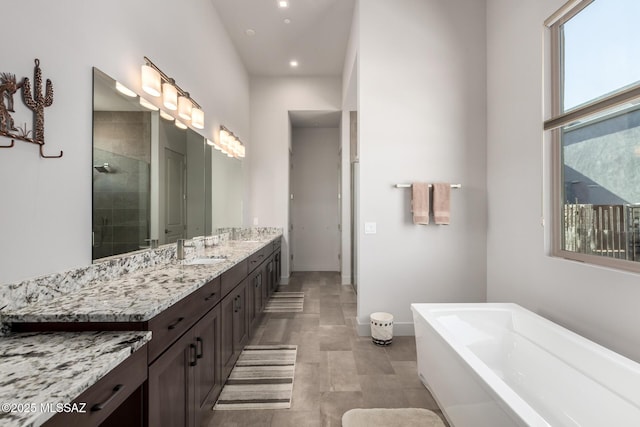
(499,365)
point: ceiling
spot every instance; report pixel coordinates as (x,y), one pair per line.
(316,37)
(315,119)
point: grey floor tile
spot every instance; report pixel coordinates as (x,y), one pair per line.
(334,404)
(334,337)
(336,370)
(402,349)
(295,418)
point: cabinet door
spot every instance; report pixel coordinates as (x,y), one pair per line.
(252,290)
(227,314)
(255,295)
(240,319)
(268,277)
(277,269)
(207,377)
(170,388)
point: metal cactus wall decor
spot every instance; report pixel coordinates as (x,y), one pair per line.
(36,102)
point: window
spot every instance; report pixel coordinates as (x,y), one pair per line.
(595,125)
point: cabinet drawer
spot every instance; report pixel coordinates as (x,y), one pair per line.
(233,276)
(208,296)
(257,258)
(108,394)
(169,325)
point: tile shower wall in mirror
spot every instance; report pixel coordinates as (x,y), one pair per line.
(121,181)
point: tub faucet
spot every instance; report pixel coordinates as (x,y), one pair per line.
(181,244)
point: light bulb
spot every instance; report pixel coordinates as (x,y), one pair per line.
(184,107)
(169,96)
(197,118)
(151,82)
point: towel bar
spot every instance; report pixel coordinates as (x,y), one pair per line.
(409,185)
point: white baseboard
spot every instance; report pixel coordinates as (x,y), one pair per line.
(284,280)
(400,329)
(346,280)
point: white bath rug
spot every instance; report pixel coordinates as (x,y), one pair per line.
(396,417)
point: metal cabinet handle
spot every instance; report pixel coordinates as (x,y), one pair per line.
(200,353)
(174,324)
(192,348)
(210,296)
(100,406)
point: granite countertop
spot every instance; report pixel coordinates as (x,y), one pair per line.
(139,296)
(56,367)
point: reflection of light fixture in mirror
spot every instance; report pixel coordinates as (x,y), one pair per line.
(155,82)
(125,90)
(147,104)
(230,144)
(180,125)
(184,107)
(166,115)
(151,81)
(197,118)
(169,96)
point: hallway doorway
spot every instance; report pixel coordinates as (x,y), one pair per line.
(314,222)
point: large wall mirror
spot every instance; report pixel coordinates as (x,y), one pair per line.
(152,181)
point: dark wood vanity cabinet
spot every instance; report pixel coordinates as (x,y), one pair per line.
(195,343)
(116,400)
(257,297)
(235,326)
(186,379)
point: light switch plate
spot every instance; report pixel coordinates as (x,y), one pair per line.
(370,228)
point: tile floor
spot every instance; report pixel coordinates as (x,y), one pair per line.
(336,370)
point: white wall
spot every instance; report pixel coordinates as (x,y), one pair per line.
(598,303)
(46,204)
(271,100)
(315,215)
(421,106)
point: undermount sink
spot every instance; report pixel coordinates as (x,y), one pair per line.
(203,261)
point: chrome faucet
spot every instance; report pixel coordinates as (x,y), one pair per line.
(181,244)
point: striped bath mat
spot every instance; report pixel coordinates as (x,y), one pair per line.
(285,302)
(261,379)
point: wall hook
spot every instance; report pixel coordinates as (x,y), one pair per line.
(49,157)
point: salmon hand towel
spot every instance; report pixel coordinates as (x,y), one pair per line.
(441,203)
(420,202)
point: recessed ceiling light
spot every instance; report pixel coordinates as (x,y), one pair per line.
(287,21)
(250,32)
(293,63)
(283,3)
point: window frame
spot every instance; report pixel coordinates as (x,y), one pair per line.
(558,119)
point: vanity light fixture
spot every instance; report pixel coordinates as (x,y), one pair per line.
(151,81)
(184,107)
(180,125)
(157,83)
(283,4)
(170,96)
(229,144)
(125,90)
(166,116)
(148,105)
(197,118)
